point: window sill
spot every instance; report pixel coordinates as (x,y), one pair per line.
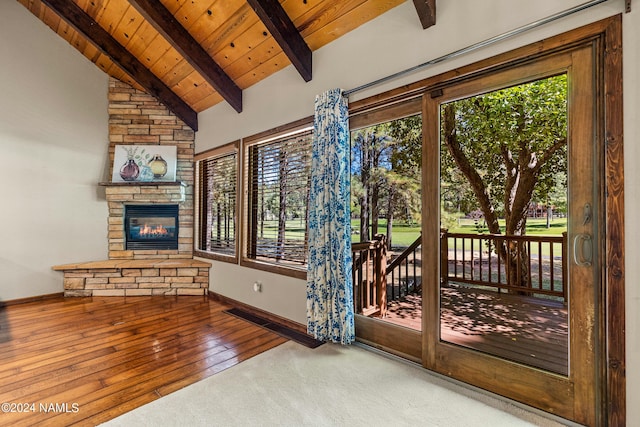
(284,270)
(233,259)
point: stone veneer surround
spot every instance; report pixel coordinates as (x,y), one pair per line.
(120,194)
(137,118)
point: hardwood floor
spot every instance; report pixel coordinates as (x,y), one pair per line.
(83,361)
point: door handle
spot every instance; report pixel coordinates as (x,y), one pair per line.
(582,250)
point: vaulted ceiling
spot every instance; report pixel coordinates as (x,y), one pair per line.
(193,54)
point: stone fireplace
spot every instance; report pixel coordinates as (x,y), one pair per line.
(150,224)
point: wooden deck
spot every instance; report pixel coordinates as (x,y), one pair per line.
(518,328)
(83,361)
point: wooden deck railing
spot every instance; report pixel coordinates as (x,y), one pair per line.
(369,276)
(404,272)
(377,283)
(538,267)
(538,263)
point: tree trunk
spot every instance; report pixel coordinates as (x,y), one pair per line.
(375,189)
(364,200)
(516,260)
(519,194)
(375,209)
(262,198)
(364,217)
(218,222)
(390,209)
(208,217)
(227,220)
(282,214)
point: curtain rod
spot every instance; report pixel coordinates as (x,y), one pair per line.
(478,45)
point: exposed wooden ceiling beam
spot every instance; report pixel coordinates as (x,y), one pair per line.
(89,28)
(286,34)
(165,23)
(426,12)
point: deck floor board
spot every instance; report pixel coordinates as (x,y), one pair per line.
(518,328)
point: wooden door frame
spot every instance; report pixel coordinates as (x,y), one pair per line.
(607,33)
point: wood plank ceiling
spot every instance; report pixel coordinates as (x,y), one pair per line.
(193,54)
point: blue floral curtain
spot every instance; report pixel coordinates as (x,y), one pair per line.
(329,280)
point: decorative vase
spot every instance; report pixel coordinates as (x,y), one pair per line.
(129,171)
(158,166)
(146,174)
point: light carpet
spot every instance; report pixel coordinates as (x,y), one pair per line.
(332,385)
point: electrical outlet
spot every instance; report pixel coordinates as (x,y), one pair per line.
(257,287)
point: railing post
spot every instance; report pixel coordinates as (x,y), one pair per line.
(369,279)
(380,274)
(354,281)
(564,267)
(444,257)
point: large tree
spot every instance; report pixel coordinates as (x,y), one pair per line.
(507,144)
(368,147)
(403,181)
(385,171)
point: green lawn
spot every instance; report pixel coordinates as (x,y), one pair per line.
(295,229)
(535,226)
(405,234)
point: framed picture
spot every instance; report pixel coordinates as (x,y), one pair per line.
(144,163)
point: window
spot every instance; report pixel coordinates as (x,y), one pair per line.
(217,176)
(277,176)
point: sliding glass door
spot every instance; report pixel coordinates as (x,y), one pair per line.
(512,206)
(386,208)
(520,196)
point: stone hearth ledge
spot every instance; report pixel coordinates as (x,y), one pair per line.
(139,277)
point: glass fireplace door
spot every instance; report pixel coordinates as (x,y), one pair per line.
(151,227)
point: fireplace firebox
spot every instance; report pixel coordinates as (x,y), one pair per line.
(151,227)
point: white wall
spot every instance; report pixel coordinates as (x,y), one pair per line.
(395,42)
(53,149)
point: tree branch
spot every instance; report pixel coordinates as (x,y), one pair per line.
(475,180)
(549,152)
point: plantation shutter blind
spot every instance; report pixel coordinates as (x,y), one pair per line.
(278,176)
(218,176)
